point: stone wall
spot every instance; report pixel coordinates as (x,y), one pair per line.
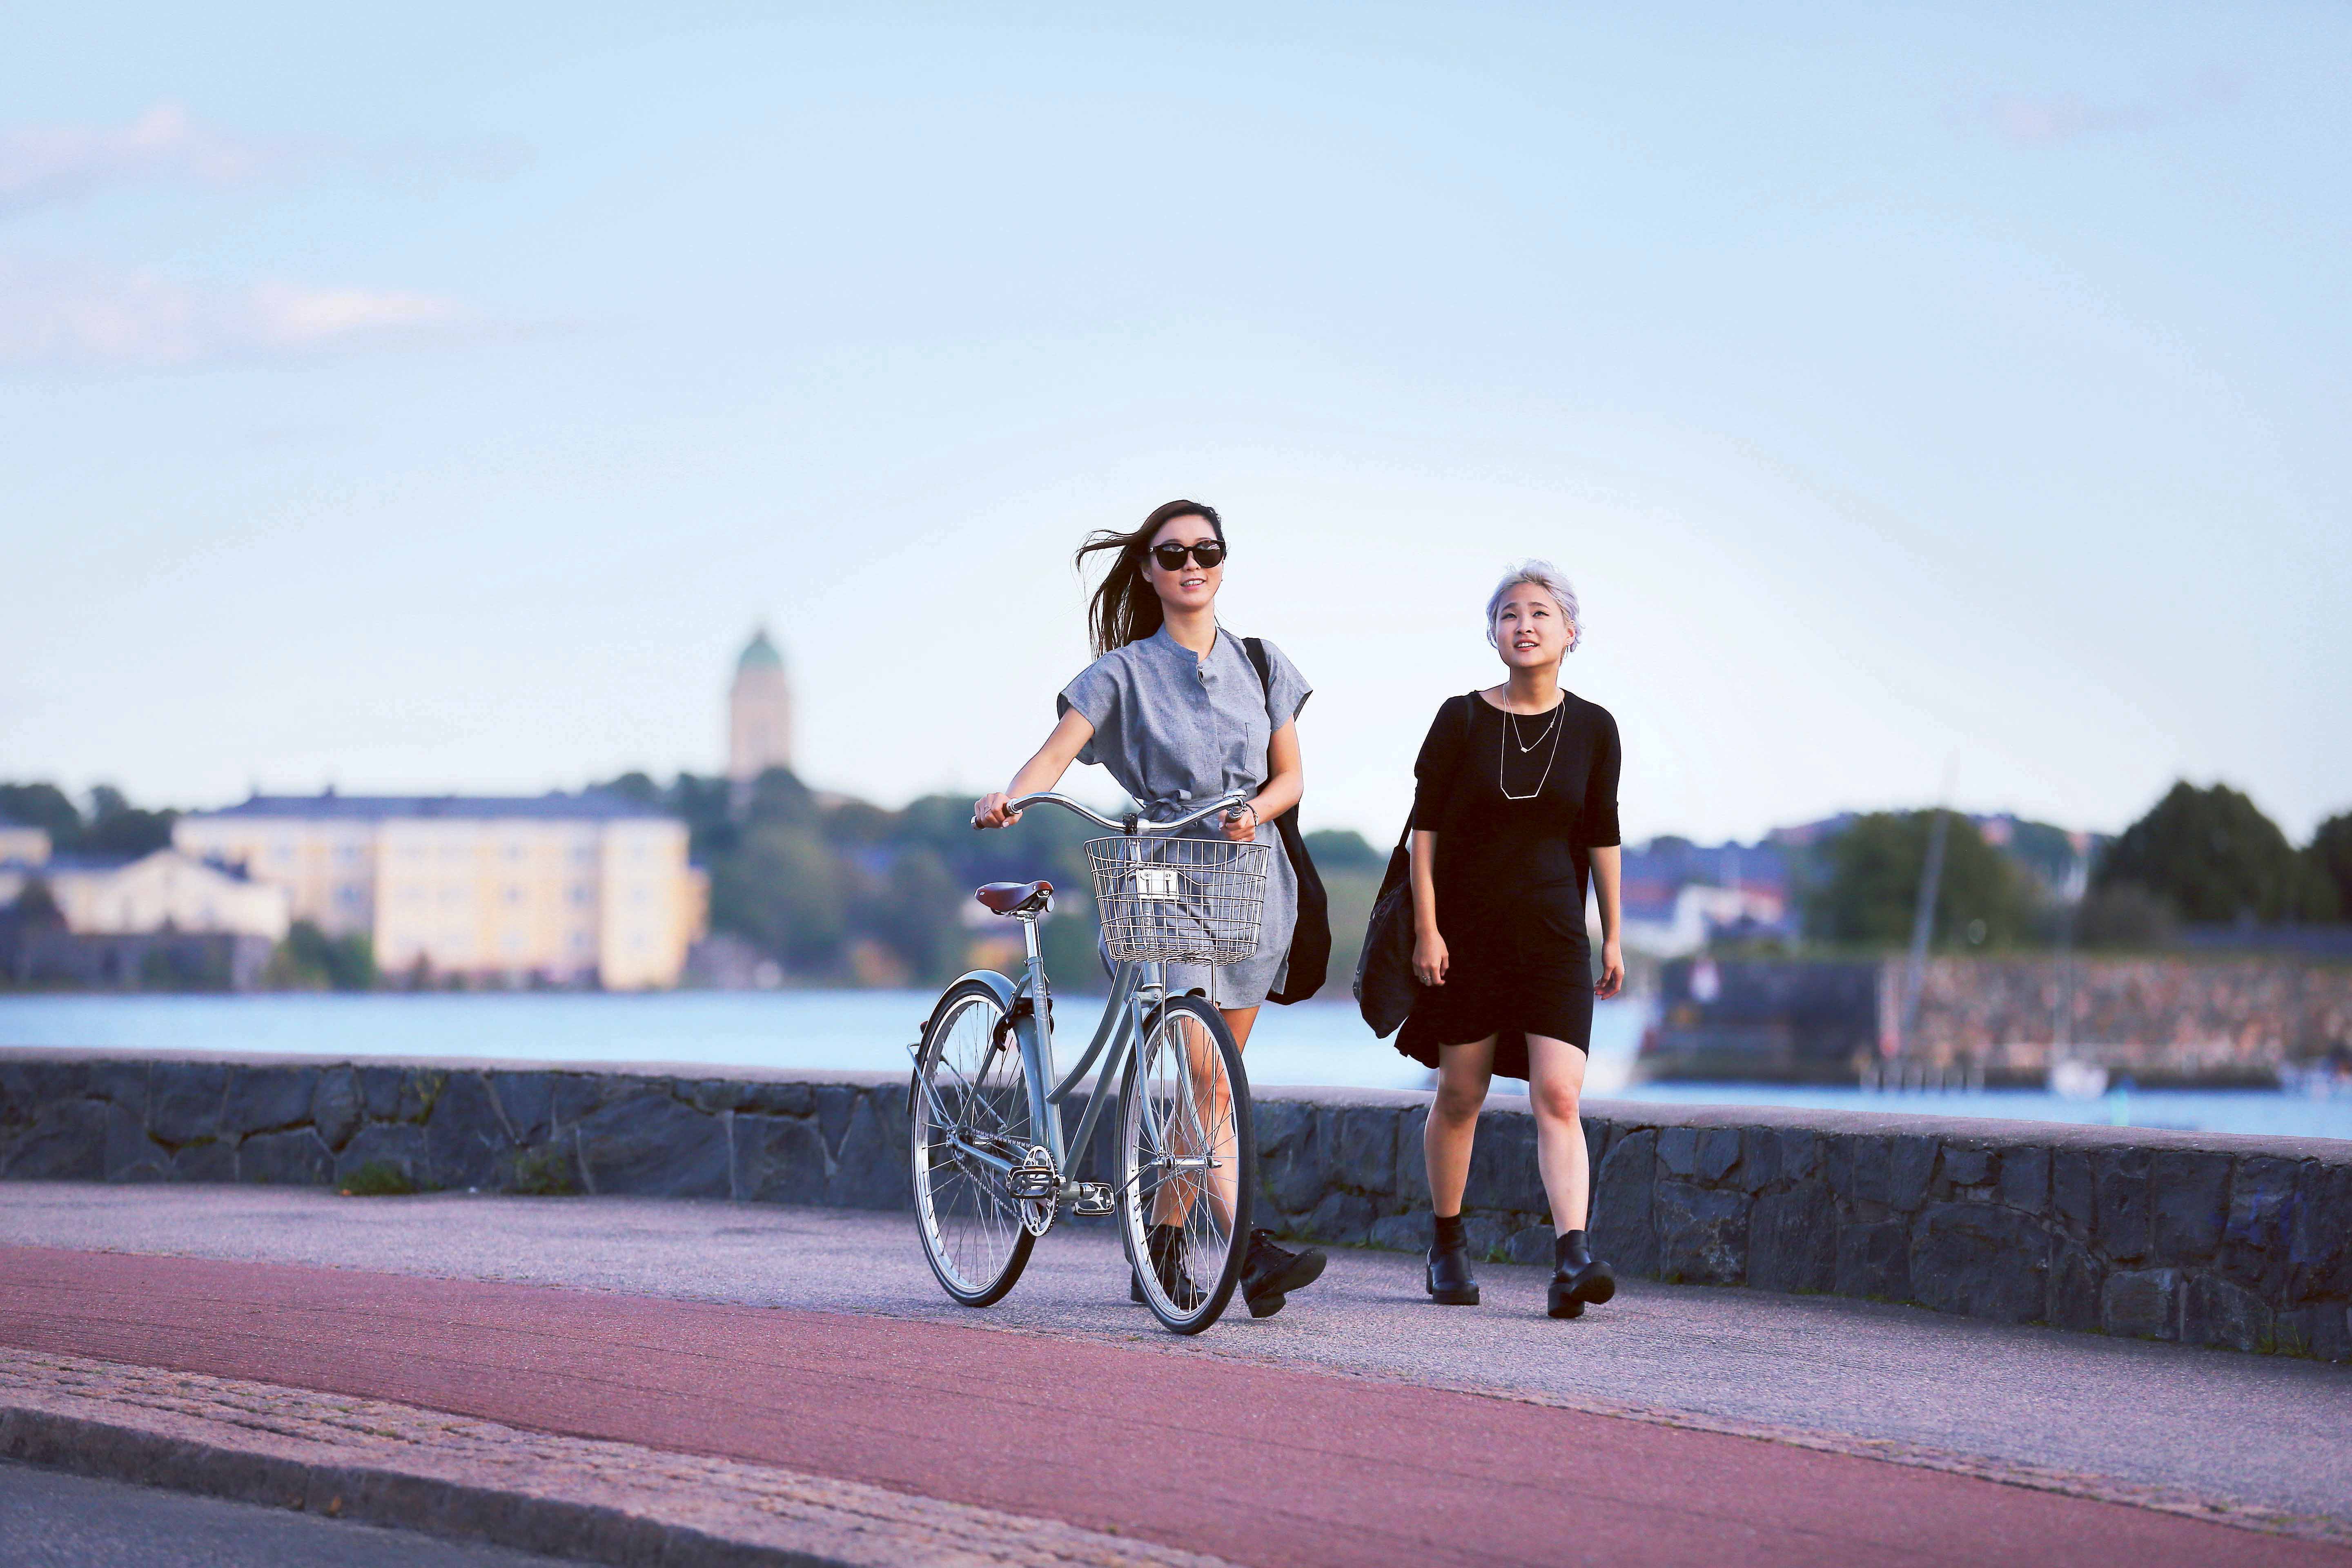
(2214,1239)
(837,1139)
(2206,1021)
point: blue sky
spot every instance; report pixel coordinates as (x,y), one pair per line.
(435,399)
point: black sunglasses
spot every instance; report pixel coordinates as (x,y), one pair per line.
(1171,555)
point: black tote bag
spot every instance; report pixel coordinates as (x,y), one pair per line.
(1310,936)
(1386,989)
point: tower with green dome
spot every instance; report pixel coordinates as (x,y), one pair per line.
(759,712)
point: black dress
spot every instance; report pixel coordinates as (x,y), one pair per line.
(1512,872)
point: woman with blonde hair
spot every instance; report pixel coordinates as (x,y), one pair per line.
(1514,813)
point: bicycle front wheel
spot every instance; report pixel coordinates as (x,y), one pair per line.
(970,1108)
(1188,1164)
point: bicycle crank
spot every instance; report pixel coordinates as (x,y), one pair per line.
(1035,1178)
(1036,1188)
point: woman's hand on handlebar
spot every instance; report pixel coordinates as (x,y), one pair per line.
(989,811)
(1241,824)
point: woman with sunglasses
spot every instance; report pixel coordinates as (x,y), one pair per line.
(1515,810)
(1174,708)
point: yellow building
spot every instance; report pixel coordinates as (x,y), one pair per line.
(573,889)
(164,889)
(21,845)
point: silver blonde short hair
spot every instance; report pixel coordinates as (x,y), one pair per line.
(1547,576)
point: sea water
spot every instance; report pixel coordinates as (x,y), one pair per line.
(1315,1042)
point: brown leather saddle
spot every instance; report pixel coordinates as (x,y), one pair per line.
(1015,898)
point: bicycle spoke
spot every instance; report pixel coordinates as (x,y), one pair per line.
(1183,1163)
(971,1096)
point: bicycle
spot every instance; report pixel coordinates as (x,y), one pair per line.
(992,1170)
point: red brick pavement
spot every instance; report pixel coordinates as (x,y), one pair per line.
(1261,1465)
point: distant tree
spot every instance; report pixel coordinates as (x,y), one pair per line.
(859,822)
(2044,849)
(782,889)
(1865,888)
(1073,953)
(118,827)
(636,787)
(45,807)
(920,915)
(1344,849)
(706,806)
(36,908)
(310,959)
(2215,858)
(2330,860)
(778,796)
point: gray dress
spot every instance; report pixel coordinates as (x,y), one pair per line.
(1174,730)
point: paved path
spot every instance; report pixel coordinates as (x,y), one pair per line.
(2261,1431)
(378,1462)
(50,1519)
(1258,1464)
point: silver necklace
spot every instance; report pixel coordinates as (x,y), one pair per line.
(1527,746)
(1503,753)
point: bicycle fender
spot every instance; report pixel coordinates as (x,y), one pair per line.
(1005,989)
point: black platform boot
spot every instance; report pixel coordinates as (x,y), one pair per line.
(1577,1277)
(1165,1243)
(1450,1281)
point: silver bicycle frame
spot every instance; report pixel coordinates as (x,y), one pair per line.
(1135,990)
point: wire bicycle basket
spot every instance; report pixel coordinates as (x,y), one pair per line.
(1166,899)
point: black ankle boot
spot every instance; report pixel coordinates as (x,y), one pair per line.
(1577,1277)
(1450,1281)
(1165,1243)
(1270,1273)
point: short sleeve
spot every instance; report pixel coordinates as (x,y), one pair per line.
(1597,824)
(1095,693)
(1434,771)
(1286,690)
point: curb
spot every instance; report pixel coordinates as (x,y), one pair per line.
(364,1494)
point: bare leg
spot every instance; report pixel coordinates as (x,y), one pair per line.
(1204,1125)
(1240,1020)
(1556,1089)
(1463,1073)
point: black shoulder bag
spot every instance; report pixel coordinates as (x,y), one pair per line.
(1386,988)
(1310,937)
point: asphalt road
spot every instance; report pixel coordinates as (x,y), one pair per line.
(51,1520)
(2254,1429)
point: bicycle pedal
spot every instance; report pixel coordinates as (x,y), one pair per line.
(1092,1199)
(1040,1183)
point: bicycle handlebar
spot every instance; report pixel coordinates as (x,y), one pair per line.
(1133,822)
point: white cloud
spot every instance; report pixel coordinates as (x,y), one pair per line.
(2051,121)
(298,318)
(88,320)
(45,163)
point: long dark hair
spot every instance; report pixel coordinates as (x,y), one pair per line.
(1125,609)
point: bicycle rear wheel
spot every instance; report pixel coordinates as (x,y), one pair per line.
(970,1098)
(1188,1159)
